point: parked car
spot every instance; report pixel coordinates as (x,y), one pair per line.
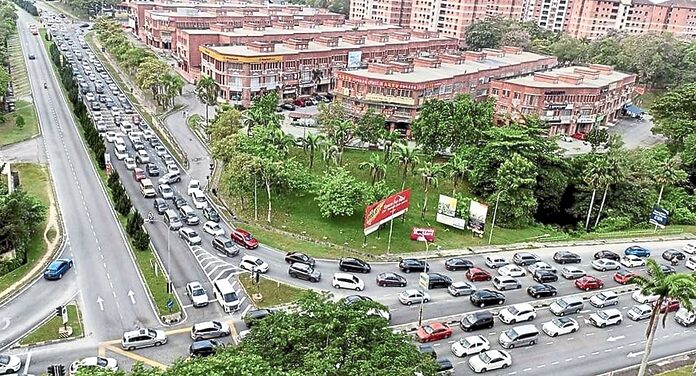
(160,205)
(490,360)
(503,283)
(433,332)
(495,262)
(512,270)
(476,321)
(605,264)
(438,280)
(545,276)
(566,257)
(166,191)
(485,297)
(637,250)
(255,315)
(93,362)
(211,214)
(607,255)
(631,261)
(143,338)
(689,248)
(413,296)
(409,265)
(213,228)
(304,271)
(206,347)
(525,258)
(190,236)
(291,257)
(666,269)
(541,265)
(572,272)
(152,169)
(139,174)
(390,279)
(476,274)
(517,313)
(352,264)
(542,291)
(461,288)
(197,294)
(458,263)
(170,178)
(588,283)
(57,269)
(244,238)
(669,305)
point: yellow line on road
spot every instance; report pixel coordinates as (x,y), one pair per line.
(178,331)
(136,357)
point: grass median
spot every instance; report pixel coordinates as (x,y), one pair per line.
(49,330)
(9,132)
(274,293)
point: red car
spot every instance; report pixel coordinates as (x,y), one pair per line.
(244,238)
(579,136)
(476,274)
(669,306)
(623,276)
(139,174)
(433,332)
(588,283)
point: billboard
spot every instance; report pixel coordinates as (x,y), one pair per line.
(426,232)
(354,59)
(447,213)
(386,209)
(659,217)
(477,217)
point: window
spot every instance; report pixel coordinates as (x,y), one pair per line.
(255,67)
(516,95)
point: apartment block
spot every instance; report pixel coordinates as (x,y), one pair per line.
(394,12)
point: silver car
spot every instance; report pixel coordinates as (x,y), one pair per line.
(197,294)
(503,283)
(461,288)
(572,272)
(412,296)
(209,329)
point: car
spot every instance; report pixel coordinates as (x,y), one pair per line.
(668,305)
(433,332)
(57,269)
(685,317)
(211,214)
(490,360)
(642,298)
(304,271)
(409,265)
(244,238)
(503,283)
(143,338)
(476,274)
(130,163)
(458,263)
(689,248)
(517,313)
(544,276)
(572,272)
(470,345)
(666,269)
(588,283)
(673,254)
(139,174)
(541,265)
(173,168)
(97,362)
(10,363)
(209,329)
(605,264)
(225,246)
(542,290)
(390,279)
(197,294)
(213,228)
(623,277)
(495,262)
(288,106)
(691,263)
(560,326)
(166,191)
(255,315)
(631,261)
(566,257)
(179,202)
(203,348)
(352,264)
(300,257)
(512,270)
(525,258)
(412,296)
(347,281)
(606,317)
(461,288)
(110,136)
(170,178)
(485,297)
(160,150)
(160,205)
(190,236)
(637,250)
(142,157)
(604,299)
(438,280)
(32,57)
(194,185)
(604,254)
(640,312)
(251,263)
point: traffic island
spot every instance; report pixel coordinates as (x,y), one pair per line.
(67,326)
(269,293)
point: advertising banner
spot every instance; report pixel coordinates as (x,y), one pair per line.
(354,59)
(447,213)
(659,217)
(427,232)
(382,211)
(477,217)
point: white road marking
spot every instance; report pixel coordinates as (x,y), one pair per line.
(246,310)
(569,360)
(595,353)
(27,362)
(554,363)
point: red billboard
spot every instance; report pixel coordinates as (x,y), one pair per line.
(384,210)
(425,232)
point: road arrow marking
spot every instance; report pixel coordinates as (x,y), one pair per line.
(614,339)
(131,295)
(634,354)
(6,324)
(100,301)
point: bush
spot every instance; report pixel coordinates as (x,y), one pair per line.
(141,240)
(611,224)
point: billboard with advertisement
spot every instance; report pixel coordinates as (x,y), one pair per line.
(384,210)
(354,59)
(477,217)
(427,232)
(659,217)
(447,213)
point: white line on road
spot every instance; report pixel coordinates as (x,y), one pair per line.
(26,363)
(526,370)
(554,363)
(569,360)
(581,356)
(589,334)
(595,353)
(541,366)
(549,343)
(246,310)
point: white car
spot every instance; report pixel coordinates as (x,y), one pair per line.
(691,263)
(412,296)
(517,313)
(490,360)
(166,191)
(90,97)
(606,318)
(190,236)
(96,362)
(209,329)
(690,248)
(9,363)
(251,263)
(632,261)
(643,299)
(512,270)
(160,150)
(640,312)
(110,137)
(541,265)
(142,157)
(347,281)
(172,167)
(213,228)
(605,264)
(604,298)
(560,326)
(130,163)
(197,294)
(494,262)
(572,272)
(194,185)
(470,345)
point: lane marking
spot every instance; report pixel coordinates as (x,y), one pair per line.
(136,357)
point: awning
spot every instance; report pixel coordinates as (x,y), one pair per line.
(633,109)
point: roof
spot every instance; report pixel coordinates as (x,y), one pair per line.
(601,81)
(287,33)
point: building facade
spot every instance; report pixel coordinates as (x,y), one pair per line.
(570,100)
(393,12)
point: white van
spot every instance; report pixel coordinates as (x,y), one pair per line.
(685,317)
(199,200)
(524,335)
(120,151)
(147,189)
(225,295)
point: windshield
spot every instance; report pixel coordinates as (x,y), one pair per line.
(230,297)
(228,244)
(562,303)
(428,329)
(485,358)
(4,359)
(602,315)
(101,362)
(513,310)
(471,319)
(512,334)
(464,342)
(248,237)
(152,333)
(558,322)
(198,292)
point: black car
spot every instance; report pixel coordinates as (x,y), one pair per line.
(485,297)
(160,205)
(666,269)
(391,280)
(438,280)
(203,348)
(607,255)
(179,202)
(673,254)
(458,263)
(428,350)
(152,169)
(566,257)
(351,264)
(352,299)
(542,291)
(255,315)
(544,276)
(444,365)
(304,271)
(413,265)
(288,106)
(476,321)
(211,214)
(291,257)
(225,245)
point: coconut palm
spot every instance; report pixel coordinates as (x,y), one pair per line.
(378,168)
(679,286)
(391,138)
(310,144)
(595,176)
(457,170)
(669,173)
(281,140)
(616,173)
(207,91)
(331,153)
(408,159)
(429,174)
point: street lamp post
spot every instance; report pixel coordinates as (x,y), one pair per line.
(151,219)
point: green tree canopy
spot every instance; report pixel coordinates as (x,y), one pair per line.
(339,193)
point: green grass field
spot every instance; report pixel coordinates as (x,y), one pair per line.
(49,330)
(274,293)
(683,371)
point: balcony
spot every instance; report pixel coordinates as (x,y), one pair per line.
(585,119)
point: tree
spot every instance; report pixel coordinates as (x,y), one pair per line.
(340,133)
(262,112)
(615,160)
(678,286)
(675,115)
(20,217)
(327,113)
(310,144)
(370,127)
(339,193)
(515,184)
(458,170)
(226,123)
(408,159)
(596,137)
(483,34)
(377,167)
(207,91)
(570,50)
(595,176)
(429,174)
(516,37)
(281,141)
(390,139)
(669,173)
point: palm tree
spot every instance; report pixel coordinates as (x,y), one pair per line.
(391,138)
(430,173)
(458,171)
(407,158)
(331,153)
(679,286)
(669,173)
(616,173)
(281,140)
(207,91)
(595,176)
(310,143)
(378,168)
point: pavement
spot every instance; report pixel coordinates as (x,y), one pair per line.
(31,151)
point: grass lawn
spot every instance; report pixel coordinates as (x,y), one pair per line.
(274,293)
(194,120)
(49,330)
(10,133)
(683,371)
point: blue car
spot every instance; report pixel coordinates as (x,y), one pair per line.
(57,269)
(637,251)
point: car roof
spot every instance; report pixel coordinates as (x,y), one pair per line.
(343,275)
(249,257)
(204,325)
(612,311)
(194,284)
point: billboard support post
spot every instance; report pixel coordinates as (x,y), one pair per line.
(420,310)
(391,227)
(495,213)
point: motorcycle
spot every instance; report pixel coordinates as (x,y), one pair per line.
(45,85)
